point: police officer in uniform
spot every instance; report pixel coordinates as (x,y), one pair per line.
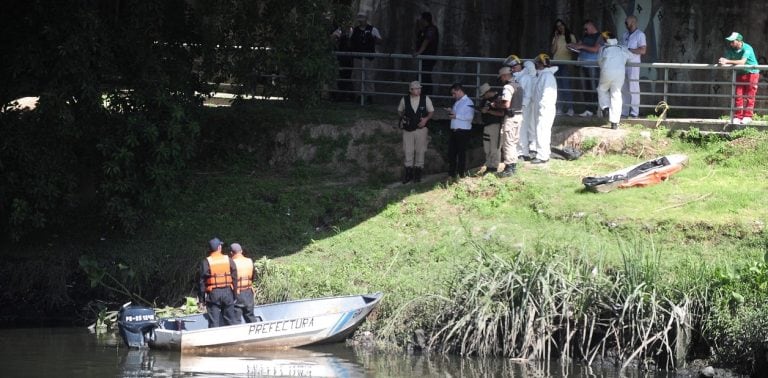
(218,275)
(491,128)
(511,103)
(244,284)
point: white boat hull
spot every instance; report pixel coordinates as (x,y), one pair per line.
(285,325)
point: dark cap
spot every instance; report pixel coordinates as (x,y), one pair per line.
(236,248)
(214,244)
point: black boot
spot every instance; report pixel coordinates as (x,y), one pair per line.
(509,170)
(407,174)
(417,174)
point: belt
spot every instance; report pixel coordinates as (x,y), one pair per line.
(457,130)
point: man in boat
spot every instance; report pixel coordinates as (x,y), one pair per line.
(218,274)
(244,287)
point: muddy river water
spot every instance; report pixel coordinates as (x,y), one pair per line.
(76,352)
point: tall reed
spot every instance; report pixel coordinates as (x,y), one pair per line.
(544,305)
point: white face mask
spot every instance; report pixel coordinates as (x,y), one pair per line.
(517,74)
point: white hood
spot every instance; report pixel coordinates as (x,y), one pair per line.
(529,68)
(552,69)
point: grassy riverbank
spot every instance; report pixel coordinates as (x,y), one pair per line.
(452,256)
(694,244)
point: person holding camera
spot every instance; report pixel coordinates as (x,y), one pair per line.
(415,111)
(491,128)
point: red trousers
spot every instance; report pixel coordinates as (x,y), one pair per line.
(746,88)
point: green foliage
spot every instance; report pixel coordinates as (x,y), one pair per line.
(739,315)
(542,305)
(280,54)
(116,281)
(114,124)
(589,143)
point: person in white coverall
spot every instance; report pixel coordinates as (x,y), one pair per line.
(612,59)
(544,100)
(527,80)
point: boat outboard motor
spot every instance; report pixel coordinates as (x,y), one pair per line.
(136,324)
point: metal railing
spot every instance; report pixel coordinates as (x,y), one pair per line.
(690,90)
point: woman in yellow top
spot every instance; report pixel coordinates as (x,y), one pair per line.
(562,36)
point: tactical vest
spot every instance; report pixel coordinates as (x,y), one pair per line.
(516,104)
(411,118)
(488,118)
(362,40)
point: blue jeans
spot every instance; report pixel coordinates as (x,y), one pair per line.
(589,82)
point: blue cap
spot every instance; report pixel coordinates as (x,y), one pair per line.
(215,243)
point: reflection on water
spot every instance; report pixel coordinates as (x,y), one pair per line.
(75,352)
(277,363)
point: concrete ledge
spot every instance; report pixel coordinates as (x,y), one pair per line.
(715,125)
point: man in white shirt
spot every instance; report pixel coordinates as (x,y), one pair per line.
(634,40)
(461,115)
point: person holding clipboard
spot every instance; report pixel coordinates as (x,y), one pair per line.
(590,44)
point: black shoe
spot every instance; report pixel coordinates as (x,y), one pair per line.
(416,174)
(614,125)
(524,158)
(538,161)
(606,113)
(508,171)
(489,170)
(407,174)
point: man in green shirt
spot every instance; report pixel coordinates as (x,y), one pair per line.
(741,53)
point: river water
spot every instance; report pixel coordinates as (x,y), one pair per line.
(76,352)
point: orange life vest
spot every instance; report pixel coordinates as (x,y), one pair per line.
(244,271)
(220,275)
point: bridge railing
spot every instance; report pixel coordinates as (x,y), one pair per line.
(690,90)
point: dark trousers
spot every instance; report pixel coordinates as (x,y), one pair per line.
(457,152)
(591,75)
(344,82)
(244,306)
(221,308)
(426,76)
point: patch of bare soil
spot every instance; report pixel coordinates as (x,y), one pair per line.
(606,141)
(744,144)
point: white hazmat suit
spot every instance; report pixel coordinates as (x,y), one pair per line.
(612,59)
(527,79)
(544,101)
